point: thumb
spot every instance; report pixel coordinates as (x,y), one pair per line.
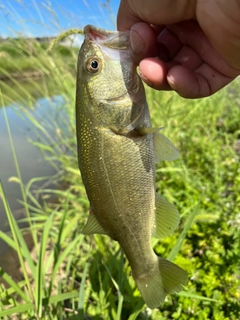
(126,17)
(157,12)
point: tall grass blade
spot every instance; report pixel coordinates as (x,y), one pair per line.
(15,159)
(191,295)
(20,245)
(120,296)
(177,246)
(13,285)
(81,293)
(21,308)
(8,240)
(65,253)
(40,265)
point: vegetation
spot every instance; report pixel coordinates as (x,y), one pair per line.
(69,276)
(23,55)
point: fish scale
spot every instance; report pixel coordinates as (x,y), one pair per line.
(117,149)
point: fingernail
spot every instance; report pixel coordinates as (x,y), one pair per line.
(171,82)
(136,42)
(146,80)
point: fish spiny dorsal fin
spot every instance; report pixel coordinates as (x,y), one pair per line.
(166,218)
(93,226)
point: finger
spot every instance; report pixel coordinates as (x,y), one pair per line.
(215,79)
(154,72)
(170,41)
(126,17)
(142,41)
(220,22)
(203,82)
(188,58)
(190,34)
(154,12)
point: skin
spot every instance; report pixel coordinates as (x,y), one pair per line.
(190,46)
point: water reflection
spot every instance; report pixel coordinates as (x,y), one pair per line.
(31,161)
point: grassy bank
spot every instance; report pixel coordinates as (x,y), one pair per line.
(23,57)
(69,276)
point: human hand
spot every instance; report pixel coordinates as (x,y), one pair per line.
(190,46)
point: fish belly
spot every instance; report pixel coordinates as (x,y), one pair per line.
(118,173)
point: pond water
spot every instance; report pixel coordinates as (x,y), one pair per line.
(30,160)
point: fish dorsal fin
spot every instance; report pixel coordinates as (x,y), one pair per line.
(163,148)
(166,218)
(93,226)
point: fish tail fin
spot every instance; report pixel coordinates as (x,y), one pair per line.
(166,278)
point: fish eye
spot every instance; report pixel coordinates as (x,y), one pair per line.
(93,65)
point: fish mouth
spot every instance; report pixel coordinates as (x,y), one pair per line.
(111,39)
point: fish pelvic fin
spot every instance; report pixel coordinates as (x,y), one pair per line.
(166,218)
(166,278)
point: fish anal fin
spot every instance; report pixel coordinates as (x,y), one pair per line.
(166,218)
(163,148)
(93,226)
(166,278)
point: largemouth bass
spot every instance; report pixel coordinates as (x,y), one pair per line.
(117,149)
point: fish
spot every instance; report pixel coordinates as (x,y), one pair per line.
(117,150)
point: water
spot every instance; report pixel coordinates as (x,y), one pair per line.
(30,160)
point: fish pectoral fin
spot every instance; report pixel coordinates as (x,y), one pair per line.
(166,218)
(140,132)
(163,148)
(93,226)
(146,130)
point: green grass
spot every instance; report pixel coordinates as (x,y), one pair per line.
(18,56)
(67,275)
